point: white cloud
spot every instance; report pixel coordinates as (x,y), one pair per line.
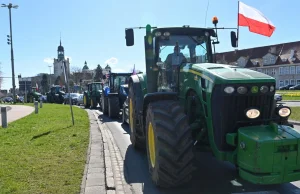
(49,60)
(111,61)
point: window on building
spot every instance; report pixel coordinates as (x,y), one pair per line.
(298,82)
(259,70)
(272,59)
(286,82)
(286,70)
(281,72)
(292,81)
(273,71)
(298,69)
(266,61)
(292,69)
(281,83)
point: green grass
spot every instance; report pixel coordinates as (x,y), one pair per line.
(44,153)
(290,98)
(295,114)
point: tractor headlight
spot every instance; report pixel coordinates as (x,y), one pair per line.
(272,88)
(242,90)
(229,89)
(157,33)
(284,111)
(264,89)
(252,113)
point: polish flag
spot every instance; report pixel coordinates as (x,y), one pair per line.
(37,86)
(255,20)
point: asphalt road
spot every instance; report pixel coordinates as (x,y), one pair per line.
(291,104)
(212,176)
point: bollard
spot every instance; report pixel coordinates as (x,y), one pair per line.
(41,104)
(36,106)
(4,117)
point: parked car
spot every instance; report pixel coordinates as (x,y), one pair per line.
(296,87)
(74,98)
(278,97)
(286,87)
(80,99)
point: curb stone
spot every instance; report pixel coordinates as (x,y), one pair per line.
(113,162)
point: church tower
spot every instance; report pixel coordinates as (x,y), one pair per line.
(58,63)
(60,52)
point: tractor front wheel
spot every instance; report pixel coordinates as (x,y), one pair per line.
(169,144)
(113,107)
(85,101)
(104,102)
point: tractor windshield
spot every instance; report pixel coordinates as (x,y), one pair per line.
(182,49)
(174,51)
(57,89)
(97,86)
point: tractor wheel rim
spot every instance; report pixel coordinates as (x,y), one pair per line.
(84,100)
(131,115)
(91,102)
(151,144)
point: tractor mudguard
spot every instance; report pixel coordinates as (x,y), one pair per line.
(158,96)
(268,154)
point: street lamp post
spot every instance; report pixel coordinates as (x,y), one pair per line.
(50,75)
(10,41)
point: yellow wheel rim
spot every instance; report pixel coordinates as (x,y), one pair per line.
(131,115)
(151,144)
(91,103)
(84,100)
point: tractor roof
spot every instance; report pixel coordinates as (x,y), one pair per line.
(191,31)
(121,74)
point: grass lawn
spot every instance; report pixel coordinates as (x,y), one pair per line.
(295,114)
(289,94)
(44,153)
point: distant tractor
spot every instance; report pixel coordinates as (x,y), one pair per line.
(186,102)
(92,96)
(115,93)
(33,95)
(55,95)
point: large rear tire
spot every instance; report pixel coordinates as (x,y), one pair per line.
(136,141)
(113,107)
(169,144)
(104,105)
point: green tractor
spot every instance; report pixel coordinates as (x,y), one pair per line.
(186,103)
(33,95)
(115,93)
(55,95)
(92,96)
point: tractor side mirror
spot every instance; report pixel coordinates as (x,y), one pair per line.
(233,39)
(129,35)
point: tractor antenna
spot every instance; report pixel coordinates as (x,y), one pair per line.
(206,12)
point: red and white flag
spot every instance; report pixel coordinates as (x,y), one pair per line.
(255,20)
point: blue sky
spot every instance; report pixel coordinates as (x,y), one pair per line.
(93,31)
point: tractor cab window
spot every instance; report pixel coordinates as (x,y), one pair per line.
(97,86)
(57,89)
(175,51)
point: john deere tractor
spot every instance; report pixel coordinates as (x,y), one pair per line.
(33,95)
(186,103)
(115,93)
(55,95)
(92,96)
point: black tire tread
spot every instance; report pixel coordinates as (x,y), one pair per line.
(113,107)
(174,144)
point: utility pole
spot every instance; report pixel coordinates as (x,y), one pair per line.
(10,41)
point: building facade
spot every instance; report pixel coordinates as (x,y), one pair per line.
(281,61)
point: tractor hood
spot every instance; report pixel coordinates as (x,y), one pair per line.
(37,94)
(222,73)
